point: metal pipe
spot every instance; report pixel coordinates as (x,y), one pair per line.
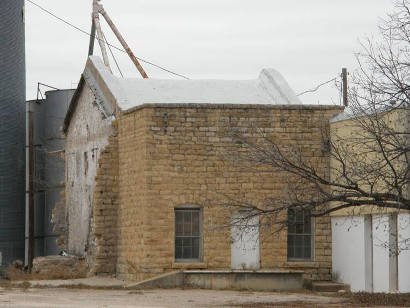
(123,42)
(29,224)
(345,93)
(26,241)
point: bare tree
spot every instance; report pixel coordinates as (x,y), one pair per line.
(370,166)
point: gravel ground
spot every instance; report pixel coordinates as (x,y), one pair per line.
(64,298)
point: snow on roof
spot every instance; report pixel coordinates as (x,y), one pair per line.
(269,88)
(345,115)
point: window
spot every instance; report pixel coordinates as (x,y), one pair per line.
(300,235)
(188,235)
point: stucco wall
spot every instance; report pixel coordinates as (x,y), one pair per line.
(403,229)
(350,134)
(348,251)
(170,157)
(87,136)
(380,253)
(360,245)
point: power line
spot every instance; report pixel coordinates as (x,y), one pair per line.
(317,87)
(113,46)
(112,54)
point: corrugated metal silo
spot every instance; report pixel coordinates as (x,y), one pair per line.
(12,130)
(49,166)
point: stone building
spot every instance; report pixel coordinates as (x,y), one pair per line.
(147,173)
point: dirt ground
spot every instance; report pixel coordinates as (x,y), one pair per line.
(64,298)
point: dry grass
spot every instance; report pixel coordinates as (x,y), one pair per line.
(52,273)
(381,299)
(360,299)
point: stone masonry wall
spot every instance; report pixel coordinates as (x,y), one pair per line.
(106,204)
(171,156)
(132,131)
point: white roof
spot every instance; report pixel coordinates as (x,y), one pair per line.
(269,88)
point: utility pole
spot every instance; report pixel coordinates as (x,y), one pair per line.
(92,38)
(344,88)
(98,9)
(96,20)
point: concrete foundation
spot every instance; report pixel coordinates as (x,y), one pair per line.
(248,280)
(228,280)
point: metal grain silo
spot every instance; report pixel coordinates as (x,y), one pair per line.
(12,130)
(48,165)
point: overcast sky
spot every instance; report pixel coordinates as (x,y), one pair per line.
(308,41)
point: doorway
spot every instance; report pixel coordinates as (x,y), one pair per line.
(244,241)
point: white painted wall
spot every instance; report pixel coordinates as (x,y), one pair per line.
(403,229)
(348,251)
(380,253)
(87,136)
(245,243)
(361,255)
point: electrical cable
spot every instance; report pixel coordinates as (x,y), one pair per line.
(112,54)
(317,87)
(113,46)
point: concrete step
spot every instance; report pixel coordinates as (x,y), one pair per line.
(327,286)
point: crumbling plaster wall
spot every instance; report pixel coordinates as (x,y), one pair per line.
(87,137)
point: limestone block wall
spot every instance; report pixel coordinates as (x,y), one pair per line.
(178,155)
(105,212)
(132,211)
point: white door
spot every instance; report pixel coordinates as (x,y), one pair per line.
(244,242)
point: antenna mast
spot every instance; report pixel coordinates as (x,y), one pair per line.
(99,9)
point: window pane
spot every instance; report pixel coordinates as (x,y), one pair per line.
(187,253)
(299,235)
(291,227)
(307,252)
(291,215)
(187,216)
(298,252)
(187,229)
(187,234)
(187,241)
(291,252)
(299,216)
(298,240)
(291,241)
(179,217)
(195,241)
(178,252)
(195,223)
(308,225)
(178,241)
(195,252)
(179,229)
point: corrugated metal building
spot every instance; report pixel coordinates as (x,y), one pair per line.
(12,130)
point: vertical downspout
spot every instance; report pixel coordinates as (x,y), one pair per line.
(29,227)
(368,252)
(31,195)
(393,254)
(26,244)
(372,252)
